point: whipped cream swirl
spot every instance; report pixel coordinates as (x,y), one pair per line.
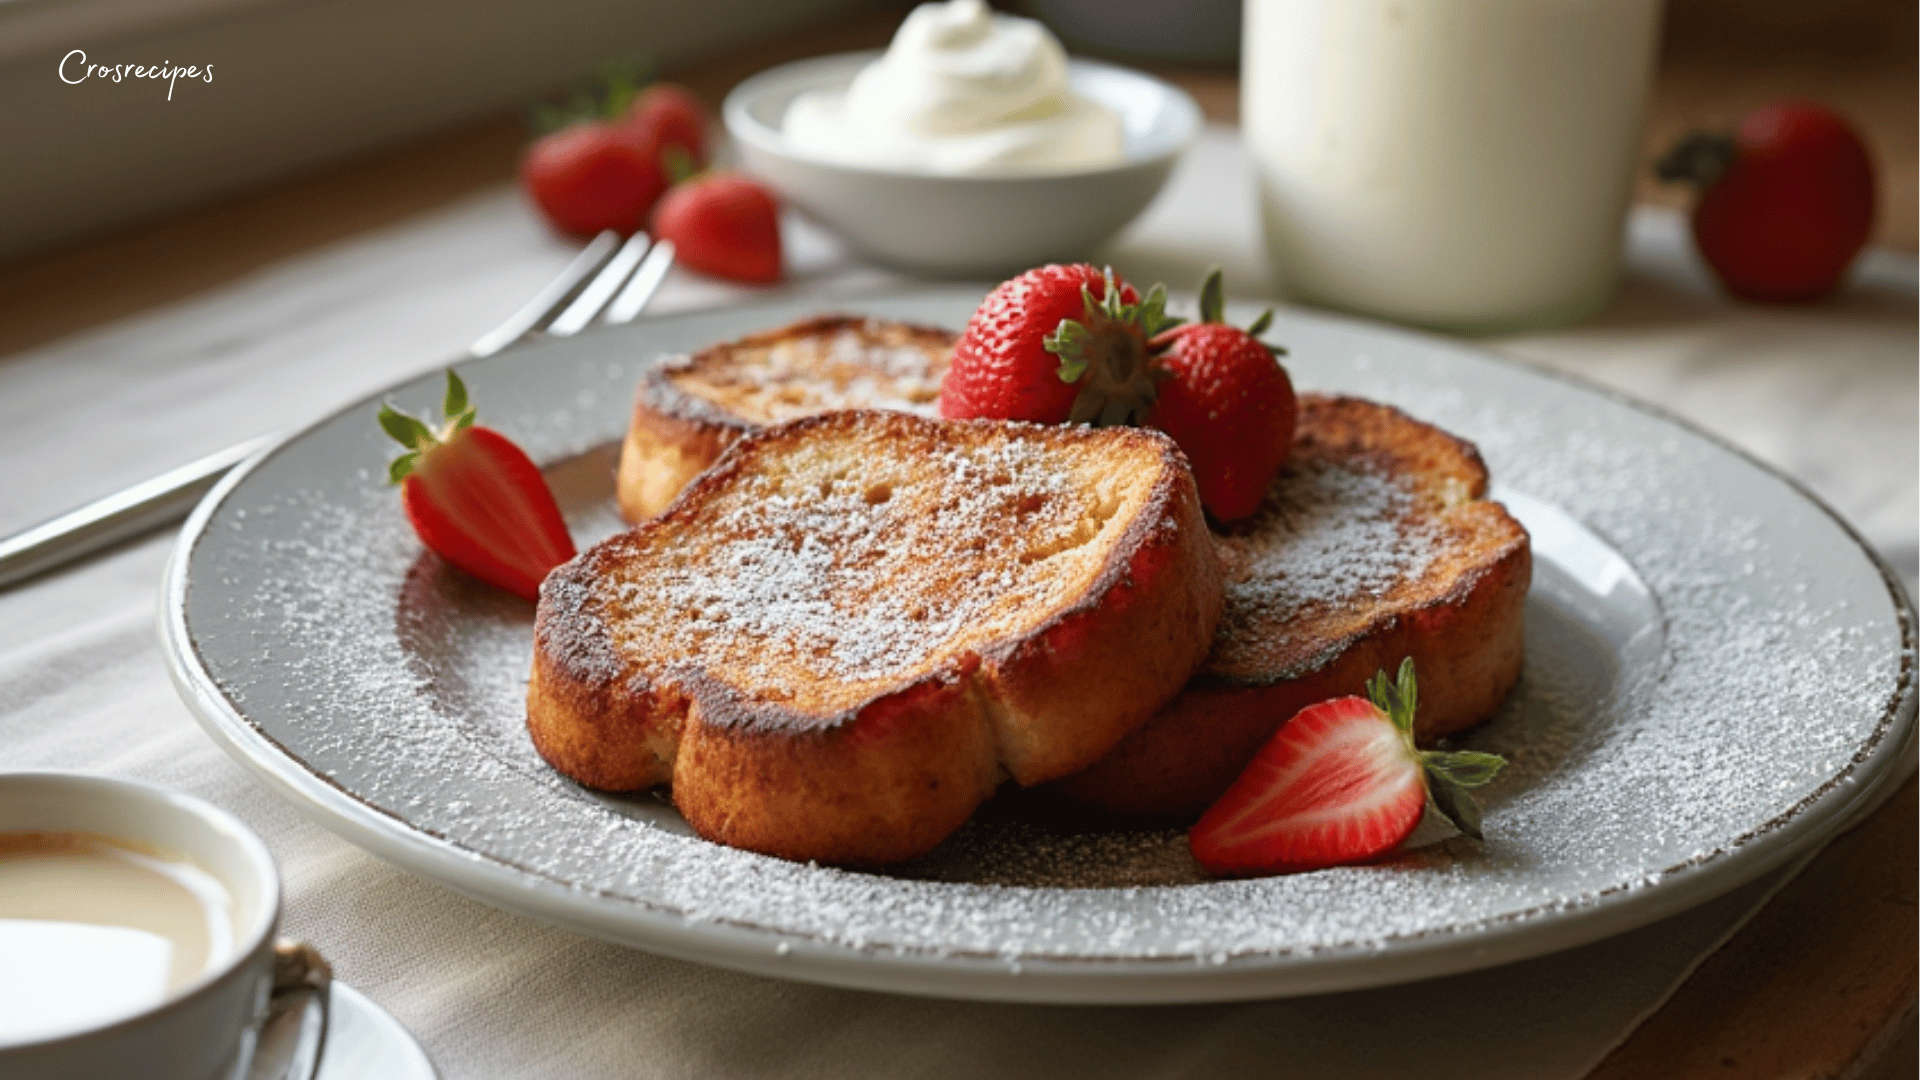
(961,91)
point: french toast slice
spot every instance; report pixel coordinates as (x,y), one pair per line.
(690,408)
(1375,543)
(842,636)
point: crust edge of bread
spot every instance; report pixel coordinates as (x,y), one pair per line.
(675,435)
(837,789)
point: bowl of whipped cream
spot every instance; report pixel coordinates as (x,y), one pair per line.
(971,146)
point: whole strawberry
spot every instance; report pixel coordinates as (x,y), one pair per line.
(603,162)
(723,224)
(1228,403)
(666,121)
(587,177)
(1786,200)
(1341,782)
(475,499)
(1057,343)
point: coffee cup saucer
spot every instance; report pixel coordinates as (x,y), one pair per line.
(364,1042)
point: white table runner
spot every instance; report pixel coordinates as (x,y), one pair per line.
(1826,393)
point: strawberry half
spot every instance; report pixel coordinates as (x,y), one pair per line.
(475,499)
(1342,782)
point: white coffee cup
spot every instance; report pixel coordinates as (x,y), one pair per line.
(208,1028)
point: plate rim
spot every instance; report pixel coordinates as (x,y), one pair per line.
(774,952)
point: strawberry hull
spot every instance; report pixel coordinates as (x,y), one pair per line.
(1002,368)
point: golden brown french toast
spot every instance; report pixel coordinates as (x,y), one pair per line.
(688,409)
(1375,543)
(841,637)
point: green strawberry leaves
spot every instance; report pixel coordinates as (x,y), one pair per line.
(1397,699)
(1213,309)
(605,97)
(1701,158)
(1213,299)
(1117,343)
(455,402)
(1449,774)
(408,431)
(678,165)
(1466,768)
(1070,341)
(402,467)
(417,437)
(1109,352)
(1457,806)
(1074,342)
(1152,312)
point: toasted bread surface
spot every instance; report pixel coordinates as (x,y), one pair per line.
(1375,543)
(837,641)
(690,408)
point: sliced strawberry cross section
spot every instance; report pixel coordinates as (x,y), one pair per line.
(475,499)
(1342,782)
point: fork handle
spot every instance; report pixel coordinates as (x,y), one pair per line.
(171,496)
(125,514)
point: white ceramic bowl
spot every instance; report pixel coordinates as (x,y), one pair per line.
(965,225)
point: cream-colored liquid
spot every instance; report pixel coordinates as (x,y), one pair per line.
(92,930)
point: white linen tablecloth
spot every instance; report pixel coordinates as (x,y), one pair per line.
(1826,393)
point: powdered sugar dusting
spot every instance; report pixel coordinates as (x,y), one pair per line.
(857,366)
(402,684)
(854,565)
(1329,534)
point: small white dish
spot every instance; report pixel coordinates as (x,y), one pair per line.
(971,226)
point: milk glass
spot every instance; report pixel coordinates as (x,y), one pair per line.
(1459,164)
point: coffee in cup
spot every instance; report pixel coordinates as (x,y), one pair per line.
(93,928)
(137,936)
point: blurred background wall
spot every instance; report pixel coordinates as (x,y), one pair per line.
(297,84)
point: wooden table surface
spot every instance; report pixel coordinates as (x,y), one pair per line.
(1820,984)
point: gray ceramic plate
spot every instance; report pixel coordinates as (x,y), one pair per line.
(1719,673)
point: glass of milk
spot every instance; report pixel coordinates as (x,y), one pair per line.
(1459,164)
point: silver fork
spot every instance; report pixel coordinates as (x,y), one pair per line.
(606,277)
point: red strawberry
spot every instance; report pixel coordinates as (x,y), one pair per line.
(665,119)
(1341,782)
(1228,403)
(1057,343)
(1786,200)
(476,499)
(589,177)
(609,153)
(723,224)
